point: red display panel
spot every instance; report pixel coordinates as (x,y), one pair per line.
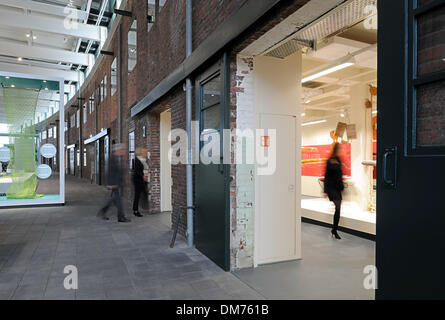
(314,160)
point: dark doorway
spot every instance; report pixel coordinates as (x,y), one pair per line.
(97,164)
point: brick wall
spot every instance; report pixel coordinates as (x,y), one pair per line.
(208,15)
(159,52)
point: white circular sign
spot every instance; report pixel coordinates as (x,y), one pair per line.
(5,154)
(44,171)
(48,150)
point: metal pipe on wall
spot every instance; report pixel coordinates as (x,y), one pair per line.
(119,84)
(189,167)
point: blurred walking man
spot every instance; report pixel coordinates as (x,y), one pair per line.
(115,184)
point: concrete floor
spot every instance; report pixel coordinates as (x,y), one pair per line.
(330,269)
(114,261)
(133,261)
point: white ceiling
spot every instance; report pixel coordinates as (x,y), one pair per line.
(36,37)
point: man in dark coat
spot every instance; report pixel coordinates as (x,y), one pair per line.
(115,183)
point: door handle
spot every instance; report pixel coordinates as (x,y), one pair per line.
(390,152)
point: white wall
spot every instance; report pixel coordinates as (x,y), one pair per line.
(166,175)
(361,148)
(278,93)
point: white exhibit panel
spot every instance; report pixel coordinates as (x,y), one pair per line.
(278,189)
(166,168)
(31,151)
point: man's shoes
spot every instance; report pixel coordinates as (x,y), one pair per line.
(124,220)
(137,214)
(101,215)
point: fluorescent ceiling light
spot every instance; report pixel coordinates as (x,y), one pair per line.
(303,114)
(374,112)
(313,122)
(327,71)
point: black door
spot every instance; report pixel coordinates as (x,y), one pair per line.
(98,166)
(212,214)
(411,134)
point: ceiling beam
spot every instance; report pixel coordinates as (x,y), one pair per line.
(14,49)
(66,75)
(55,10)
(33,63)
(51,25)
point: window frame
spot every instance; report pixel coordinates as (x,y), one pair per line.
(414,81)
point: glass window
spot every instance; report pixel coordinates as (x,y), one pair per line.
(85,113)
(131,148)
(84,157)
(114,77)
(211,107)
(55,132)
(78,118)
(92,103)
(151,13)
(132,46)
(431,114)
(105,89)
(161,4)
(73,120)
(66,126)
(431,42)
(50,133)
(44,135)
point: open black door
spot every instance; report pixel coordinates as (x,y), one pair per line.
(211,180)
(411,163)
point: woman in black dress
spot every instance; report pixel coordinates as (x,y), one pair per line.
(333,185)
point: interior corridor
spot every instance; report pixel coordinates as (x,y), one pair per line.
(133,261)
(330,269)
(114,261)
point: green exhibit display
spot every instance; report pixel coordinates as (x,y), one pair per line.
(31,152)
(20,107)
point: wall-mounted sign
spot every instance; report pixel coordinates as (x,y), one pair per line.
(5,154)
(48,150)
(265,141)
(44,171)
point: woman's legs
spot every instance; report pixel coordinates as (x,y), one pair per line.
(137,193)
(336,217)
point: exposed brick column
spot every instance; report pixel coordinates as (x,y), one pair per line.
(154,163)
(179,194)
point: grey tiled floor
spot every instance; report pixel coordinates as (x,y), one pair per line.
(330,269)
(114,261)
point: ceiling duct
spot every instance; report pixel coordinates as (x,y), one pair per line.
(342,17)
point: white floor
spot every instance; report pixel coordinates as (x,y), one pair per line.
(352,216)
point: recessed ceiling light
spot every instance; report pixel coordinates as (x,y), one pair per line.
(12,86)
(19,58)
(44,81)
(313,122)
(28,35)
(34,37)
(303,114)
(327,71)
(7,77)
(342,115)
